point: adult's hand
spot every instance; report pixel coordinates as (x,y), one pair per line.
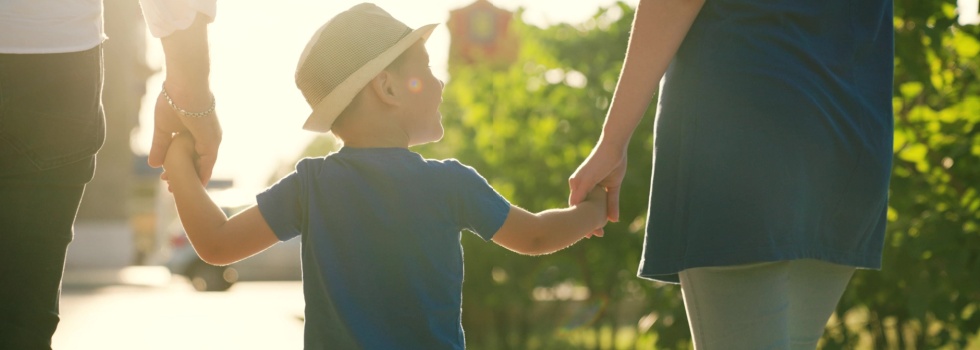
(206,130)
(605,167)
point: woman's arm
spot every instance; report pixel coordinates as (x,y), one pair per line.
(659,27)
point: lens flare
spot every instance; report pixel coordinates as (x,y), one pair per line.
(414,85)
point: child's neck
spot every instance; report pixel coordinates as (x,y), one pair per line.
(377,135)
(374,144)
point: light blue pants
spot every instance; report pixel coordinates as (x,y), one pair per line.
(775,305)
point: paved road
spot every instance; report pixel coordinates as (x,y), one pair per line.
(146,308)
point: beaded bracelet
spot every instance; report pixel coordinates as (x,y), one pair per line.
(184,112)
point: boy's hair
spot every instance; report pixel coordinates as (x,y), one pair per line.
(345,54)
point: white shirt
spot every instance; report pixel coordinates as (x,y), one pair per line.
(54,26)
(167,16)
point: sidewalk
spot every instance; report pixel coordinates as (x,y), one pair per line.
(139,314)
(108,304)
(144,276)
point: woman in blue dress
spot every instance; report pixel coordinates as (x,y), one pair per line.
(772,156)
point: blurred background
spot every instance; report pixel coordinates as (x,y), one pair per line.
(527,87)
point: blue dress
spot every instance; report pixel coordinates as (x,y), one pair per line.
(773,138)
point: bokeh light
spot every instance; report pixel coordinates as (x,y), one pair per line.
(414,85)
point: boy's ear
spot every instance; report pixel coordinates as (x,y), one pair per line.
(383,86)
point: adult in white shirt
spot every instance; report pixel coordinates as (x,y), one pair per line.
(52,125)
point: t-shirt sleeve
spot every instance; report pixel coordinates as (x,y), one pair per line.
(283,205)
(164,17)
(480,208)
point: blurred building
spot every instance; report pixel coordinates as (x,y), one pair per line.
(480,34)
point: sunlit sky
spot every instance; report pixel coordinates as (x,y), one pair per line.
(254,50)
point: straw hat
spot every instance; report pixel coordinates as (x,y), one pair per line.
(345,54)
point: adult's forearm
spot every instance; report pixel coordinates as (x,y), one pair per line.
(188,62)
(659,27)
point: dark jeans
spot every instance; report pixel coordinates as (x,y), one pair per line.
(51,126)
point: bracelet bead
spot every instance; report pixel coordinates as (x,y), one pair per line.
(183,112)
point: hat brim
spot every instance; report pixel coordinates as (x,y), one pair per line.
(327,110)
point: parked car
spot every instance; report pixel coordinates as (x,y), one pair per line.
(203,276)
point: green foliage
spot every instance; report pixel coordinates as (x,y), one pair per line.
(928,291)
(526,128)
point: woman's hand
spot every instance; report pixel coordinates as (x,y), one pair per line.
(605,167)
(206,132)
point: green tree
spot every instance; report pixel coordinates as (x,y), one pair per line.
(926,295)
(527,127)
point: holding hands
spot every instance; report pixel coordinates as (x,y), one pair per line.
(181,153)
(203,128)
(603,170)
(181,159)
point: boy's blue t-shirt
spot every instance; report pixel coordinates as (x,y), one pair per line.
(382,259)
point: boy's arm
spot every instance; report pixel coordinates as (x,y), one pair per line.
(217,239)
(554,229)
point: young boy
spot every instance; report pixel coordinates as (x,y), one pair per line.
(382,260)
